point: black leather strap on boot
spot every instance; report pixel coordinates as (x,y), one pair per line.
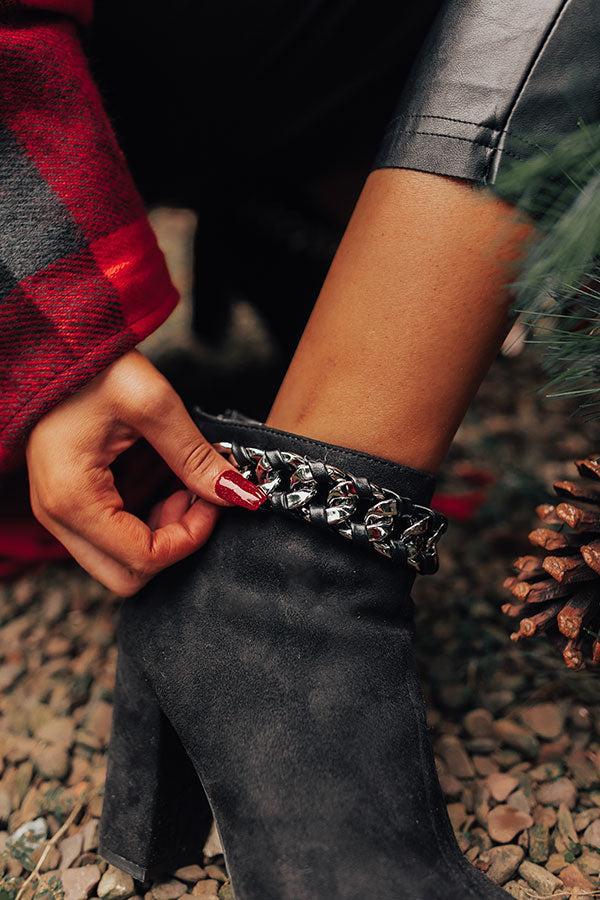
(279,661)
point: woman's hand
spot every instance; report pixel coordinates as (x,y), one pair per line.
(73,493)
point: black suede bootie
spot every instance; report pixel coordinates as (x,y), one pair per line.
(274,671)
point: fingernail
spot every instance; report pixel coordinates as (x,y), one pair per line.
(232,487)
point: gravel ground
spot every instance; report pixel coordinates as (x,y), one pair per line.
(517,737)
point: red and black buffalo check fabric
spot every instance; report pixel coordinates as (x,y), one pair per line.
(82,279)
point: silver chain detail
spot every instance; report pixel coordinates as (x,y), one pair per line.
(352,506)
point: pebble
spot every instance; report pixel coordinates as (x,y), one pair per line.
(451,786)
(168,890)
(584,774)
(455,756)
(591,835)
(457,814)
(484,765)
(553,793)
(539,879)
(60,730)
(520,800)
(500,785)
(539,843)
(208,888)
(51,760)
(544,719)
(548,771)
(115,885)
(512,734)
(572,877)
(505,823)
(70,848)
(479,723)
(216,872)
(501,863)
(190,874)
(226,892)
(498,700)
(79,883)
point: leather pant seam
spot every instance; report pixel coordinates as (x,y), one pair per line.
(454,137)
(521,88)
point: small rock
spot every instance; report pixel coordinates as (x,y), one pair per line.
(498,700)
(35,832)
(79,883)
(539,879)
(583,772)
(51,760)
(500,785)
(191,874)
(553,793)
(216,872)
(213,846)
(591,835)
(451,786)
(226,892)
(9,673)
(556,862)
(520,800)
(208,888)
(98,721)
(548,771)
(484,765)
(90,835)
(5,806)
(566,827)
(539,843)
(572,877)
(168,890)
(70,848)
(544,815)
(555,750)
(115,885)
(589,862)
(482,745)
(457,815)
(479,723)
(515,736)
(545,719)
(585,818)
(503,862)
(505,823)
(515,889)
(506,759)
(455,756)
(60,730)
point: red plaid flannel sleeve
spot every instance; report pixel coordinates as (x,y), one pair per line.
(82,279)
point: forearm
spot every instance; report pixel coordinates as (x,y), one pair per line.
(408,321)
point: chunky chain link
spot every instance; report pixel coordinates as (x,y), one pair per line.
(352,506)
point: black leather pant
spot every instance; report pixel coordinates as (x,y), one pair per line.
(296,87)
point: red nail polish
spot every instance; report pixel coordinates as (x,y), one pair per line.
(234,488)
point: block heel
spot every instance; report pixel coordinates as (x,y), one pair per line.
(156,816)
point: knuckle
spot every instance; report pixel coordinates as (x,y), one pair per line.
(199,460)
(55,502)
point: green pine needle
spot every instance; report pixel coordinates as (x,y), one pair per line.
(558,288)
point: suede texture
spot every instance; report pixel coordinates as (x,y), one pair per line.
(282,656)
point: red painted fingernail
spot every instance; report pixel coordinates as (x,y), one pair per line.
(232,487)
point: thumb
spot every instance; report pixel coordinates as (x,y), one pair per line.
(195,461)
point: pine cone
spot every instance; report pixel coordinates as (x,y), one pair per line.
(559,594)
